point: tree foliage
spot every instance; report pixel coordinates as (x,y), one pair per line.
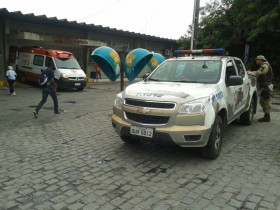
(232,24)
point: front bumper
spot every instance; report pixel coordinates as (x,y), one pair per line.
(182,135)
(80,84)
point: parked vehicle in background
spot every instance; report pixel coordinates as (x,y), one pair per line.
(32,60)
(187,101)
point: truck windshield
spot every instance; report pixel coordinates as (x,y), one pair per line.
(67,63)
(192,71)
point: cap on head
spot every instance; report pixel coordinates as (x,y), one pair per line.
(261,57)
(10,67)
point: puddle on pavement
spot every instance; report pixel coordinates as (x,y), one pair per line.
(16,110)
(70,102)
(156,170)
(203,180)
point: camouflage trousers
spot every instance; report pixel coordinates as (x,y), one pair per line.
(265,100)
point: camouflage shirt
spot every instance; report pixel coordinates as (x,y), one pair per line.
(264,74)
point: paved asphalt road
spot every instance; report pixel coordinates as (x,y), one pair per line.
(76,161)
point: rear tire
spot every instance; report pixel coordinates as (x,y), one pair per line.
(23,79)
(247,117)
(214,145)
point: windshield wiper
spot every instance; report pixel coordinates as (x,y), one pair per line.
(186,81)
(153,79)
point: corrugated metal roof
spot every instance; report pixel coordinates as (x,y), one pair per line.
(53,20)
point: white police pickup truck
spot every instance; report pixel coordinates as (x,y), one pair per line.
(188,101)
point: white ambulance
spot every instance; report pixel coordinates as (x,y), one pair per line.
(32,60)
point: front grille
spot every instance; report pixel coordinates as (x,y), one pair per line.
(159,105)
(147,119)
(76,78)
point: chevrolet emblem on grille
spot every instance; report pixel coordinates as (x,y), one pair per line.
(144,110)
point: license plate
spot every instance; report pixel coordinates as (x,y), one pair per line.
(141,131)
(77,84)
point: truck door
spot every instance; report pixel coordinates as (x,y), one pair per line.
(234,93)
(246,82)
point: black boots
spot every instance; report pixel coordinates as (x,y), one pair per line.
(266,118)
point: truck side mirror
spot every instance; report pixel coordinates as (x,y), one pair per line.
(234,81)
(145,76)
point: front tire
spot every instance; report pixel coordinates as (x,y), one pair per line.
(247,117)
(58,85)
(214,145)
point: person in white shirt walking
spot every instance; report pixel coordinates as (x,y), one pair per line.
(11,78)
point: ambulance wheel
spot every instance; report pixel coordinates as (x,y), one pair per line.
(23,79)
(130,140)
(58,86)
(213,148)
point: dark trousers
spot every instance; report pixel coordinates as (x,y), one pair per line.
(265,100)
(11,85)
(45,93)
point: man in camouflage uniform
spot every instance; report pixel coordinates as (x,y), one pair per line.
(264,75)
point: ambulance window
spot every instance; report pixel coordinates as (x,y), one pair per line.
(48,61)
(38,60)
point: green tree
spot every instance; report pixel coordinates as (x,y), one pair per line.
(184,42)
(232,24)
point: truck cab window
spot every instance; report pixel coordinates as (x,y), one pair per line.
(240,68)
(230,70)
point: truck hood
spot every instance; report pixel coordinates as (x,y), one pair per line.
(71,72)
(164,91)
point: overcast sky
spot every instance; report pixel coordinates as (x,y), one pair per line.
(166,19)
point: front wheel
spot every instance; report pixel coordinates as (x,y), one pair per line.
(58,85)
(213,148)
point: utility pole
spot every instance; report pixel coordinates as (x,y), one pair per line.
(195,24)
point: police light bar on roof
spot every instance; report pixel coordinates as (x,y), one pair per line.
(201,51)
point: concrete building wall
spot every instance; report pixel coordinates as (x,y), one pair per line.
(23,30)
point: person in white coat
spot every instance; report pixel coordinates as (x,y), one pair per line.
(11,78)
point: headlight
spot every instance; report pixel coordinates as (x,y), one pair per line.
(119,100)
(196,106)
(64,76)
